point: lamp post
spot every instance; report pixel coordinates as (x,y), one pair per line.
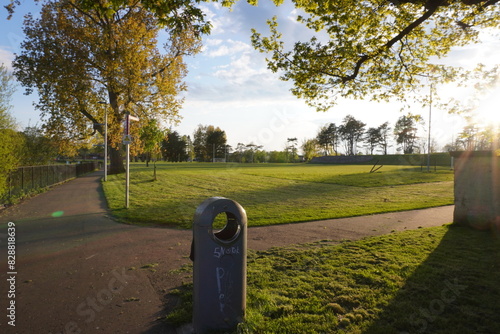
(429,139)
(105,141)
(126,141)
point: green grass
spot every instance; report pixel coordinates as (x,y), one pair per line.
(420,160)
(351,175)
(275,193)
(434,280)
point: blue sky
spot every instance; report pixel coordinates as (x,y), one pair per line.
(229,85)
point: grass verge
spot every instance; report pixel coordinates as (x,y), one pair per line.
(275,193)
(434,280)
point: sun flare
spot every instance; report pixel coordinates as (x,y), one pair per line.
(488,110)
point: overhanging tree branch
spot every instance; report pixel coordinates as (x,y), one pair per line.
(429,12)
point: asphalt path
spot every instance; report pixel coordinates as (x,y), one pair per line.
(78,271)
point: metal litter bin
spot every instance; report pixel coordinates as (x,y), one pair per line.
(219,268)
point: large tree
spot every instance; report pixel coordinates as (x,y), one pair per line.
(383,141)
(38,149)
(351,131)
(372,137)
(328,138)
(174,147)
(79,53)
(311,149)
(11,142)
(208,138)
(200,143)
(405,132)
(216,143)
(378,137)
(151,139)
(377,49)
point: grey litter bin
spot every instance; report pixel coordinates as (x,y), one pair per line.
(219,273)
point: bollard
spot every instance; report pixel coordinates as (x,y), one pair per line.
(219,268)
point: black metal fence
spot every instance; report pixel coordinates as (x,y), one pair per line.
(23,180)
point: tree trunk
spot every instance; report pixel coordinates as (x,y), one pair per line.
(116,161)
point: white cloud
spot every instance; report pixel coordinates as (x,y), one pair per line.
(213,42)
(292,16)
(240,79)
(247,80)
(223,50)
(219,18)
(228,49)
(6,57)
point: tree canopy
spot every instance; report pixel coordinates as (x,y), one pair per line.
(7,88)
(209,142)
(174,147)
(10,140)
(351,131)
(328,138)
(151,136)
(37,148)
(379,49)
(175,14)
(77,57)
(405,132)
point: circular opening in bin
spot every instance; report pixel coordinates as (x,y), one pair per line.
(225,227)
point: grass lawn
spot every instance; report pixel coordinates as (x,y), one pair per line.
(274,193)
(434,280)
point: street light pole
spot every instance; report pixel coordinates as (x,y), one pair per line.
(429,139)
(127,176)
(127,158)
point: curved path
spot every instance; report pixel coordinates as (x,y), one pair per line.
(78,271)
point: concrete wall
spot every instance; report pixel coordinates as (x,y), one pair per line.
(477,189)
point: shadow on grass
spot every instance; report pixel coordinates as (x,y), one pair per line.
(455,290)
(173,201)
(178,303)
(452,290)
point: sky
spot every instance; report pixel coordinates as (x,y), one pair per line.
(229,85)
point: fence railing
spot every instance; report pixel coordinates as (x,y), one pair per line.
(26,179)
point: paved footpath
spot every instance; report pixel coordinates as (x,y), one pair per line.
(78,271)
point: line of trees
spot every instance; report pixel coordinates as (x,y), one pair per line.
(352,132)
(209,144)
(349,138)
(474,138)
